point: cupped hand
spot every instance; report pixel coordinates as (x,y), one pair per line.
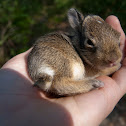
(22,104)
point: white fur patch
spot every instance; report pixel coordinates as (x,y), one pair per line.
(78,71)
(99,21)
(46,86)
(47,70)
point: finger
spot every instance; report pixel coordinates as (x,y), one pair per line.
(18,63)
(27,52)
(114,22)
(120,78)
(17,58)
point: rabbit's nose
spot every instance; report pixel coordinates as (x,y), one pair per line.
(112,63)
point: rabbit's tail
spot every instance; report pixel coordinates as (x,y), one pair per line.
(44,82)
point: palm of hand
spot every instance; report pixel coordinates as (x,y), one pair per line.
(85,109)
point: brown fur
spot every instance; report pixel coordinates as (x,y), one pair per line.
(74,60)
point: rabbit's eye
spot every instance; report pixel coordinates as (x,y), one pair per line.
(90,43)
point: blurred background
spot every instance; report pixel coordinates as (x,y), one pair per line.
(23,21)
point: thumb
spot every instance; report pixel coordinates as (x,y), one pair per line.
(114,22)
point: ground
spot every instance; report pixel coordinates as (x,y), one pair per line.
(118,115)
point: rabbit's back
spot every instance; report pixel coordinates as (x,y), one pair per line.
(54,55)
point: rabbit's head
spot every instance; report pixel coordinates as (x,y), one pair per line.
(96,41)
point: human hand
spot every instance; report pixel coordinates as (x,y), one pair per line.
(21,104)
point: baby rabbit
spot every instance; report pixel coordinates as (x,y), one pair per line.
(67,63)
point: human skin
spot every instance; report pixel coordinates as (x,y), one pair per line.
(21,104)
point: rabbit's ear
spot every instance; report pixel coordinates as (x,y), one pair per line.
(75,18)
